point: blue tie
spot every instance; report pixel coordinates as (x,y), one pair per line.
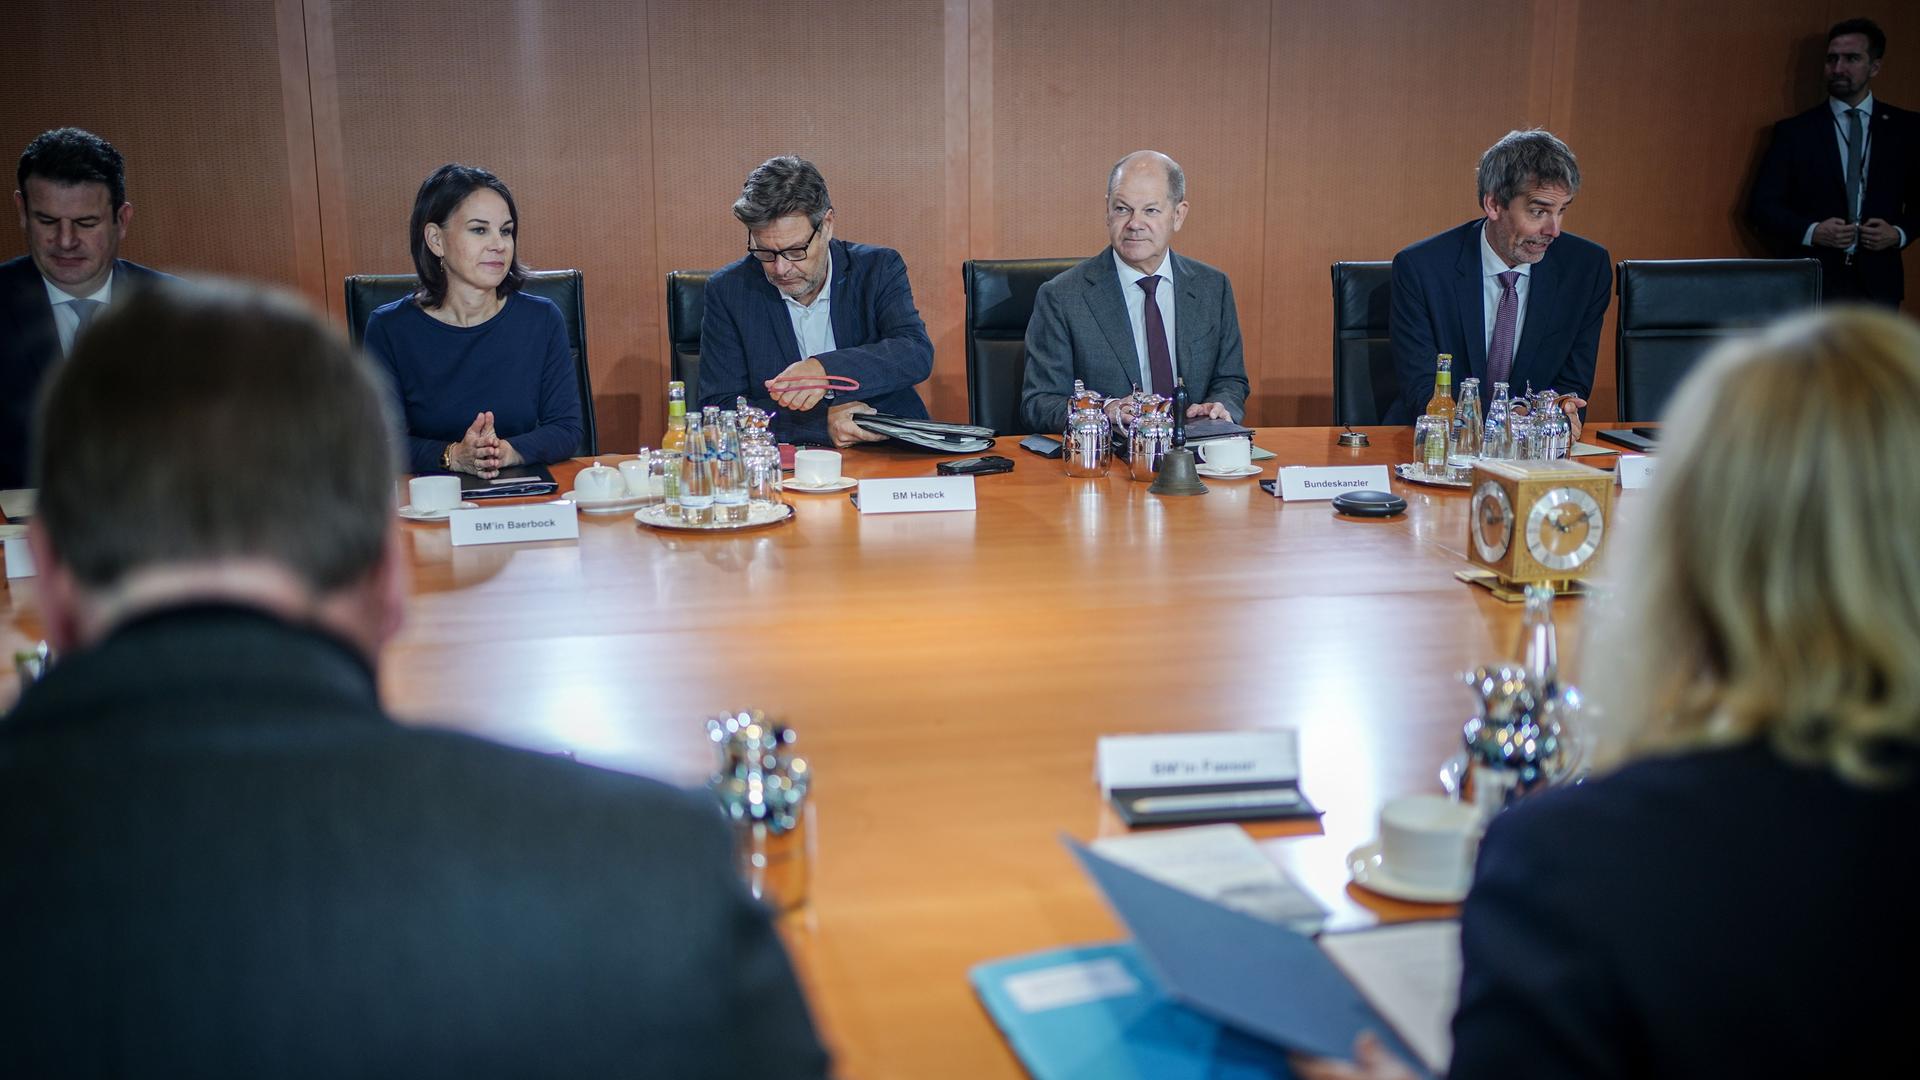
(84,310)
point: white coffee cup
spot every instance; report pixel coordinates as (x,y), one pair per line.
(1227,453)
(598,481)
(1429,841)
(634,473)
(432,494)
(816,468)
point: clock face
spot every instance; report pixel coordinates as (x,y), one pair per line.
(1491,521)
(1564,528)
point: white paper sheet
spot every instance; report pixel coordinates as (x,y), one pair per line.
(1410,972)
(1219,863)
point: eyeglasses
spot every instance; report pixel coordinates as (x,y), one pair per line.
(792,254)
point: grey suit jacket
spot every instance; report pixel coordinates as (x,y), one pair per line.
(1080,330)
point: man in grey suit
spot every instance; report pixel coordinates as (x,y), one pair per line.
(223,858)
(1137,314)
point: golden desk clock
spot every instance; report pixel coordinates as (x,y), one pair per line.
(1536,521)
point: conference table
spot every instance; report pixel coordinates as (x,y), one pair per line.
(948,674)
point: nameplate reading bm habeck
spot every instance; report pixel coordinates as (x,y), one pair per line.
(1635,470)
(916,494)
(514,524)
(1214,757)
(1304,483)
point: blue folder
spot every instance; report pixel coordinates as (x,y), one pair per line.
(1138,1036)
(1221,994)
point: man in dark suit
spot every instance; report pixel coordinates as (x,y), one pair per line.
(801,306)
(74,211)
(1136,315)
(222,858)
(1511,297)
(1841,181)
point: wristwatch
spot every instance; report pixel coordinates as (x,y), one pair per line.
(446,457)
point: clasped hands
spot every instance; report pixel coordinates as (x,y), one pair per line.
(1873,234)
(481,451)
(840,424)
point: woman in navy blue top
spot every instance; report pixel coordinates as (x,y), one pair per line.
(482,371)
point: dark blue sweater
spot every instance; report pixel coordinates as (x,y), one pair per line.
(516,364)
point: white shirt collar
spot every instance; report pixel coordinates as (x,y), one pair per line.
(57,296)
(1128,275)
(1491,264)
(1840,107)
(826,291)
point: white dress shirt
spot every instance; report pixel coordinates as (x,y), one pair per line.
(1491,267)
(813,323)
(65,319)
(1136,298)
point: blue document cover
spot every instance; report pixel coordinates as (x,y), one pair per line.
(1202,991)
(1127,1032)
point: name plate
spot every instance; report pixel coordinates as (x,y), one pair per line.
(1303,483)
(514,524)
(1635,470)
(19,557)
(914,494)
(1188,760)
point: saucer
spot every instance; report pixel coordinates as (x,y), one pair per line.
(1220,473)
(411,514)
(1370,872)
(841,484)
(604,506)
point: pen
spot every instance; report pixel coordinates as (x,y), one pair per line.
(1218,800)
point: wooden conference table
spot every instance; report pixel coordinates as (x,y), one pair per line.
(948,674)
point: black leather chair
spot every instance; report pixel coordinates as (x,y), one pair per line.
(999,302)
(1365,383)
(1673,311)
(566,288)
(686,305)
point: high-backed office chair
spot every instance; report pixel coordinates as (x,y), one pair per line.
(1365,383)
(1673,310)
(686,305)
(999,302)
(566,288)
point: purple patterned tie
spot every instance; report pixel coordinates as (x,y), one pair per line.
(1157,359)
(1505,317)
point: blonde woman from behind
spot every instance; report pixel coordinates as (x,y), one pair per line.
(1734,898)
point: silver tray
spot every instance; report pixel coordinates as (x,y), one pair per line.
(759,516)
(1457,476)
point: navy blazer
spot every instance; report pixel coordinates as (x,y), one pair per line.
(746,338)
(1439,307)
(1801,182)
(29,347)
(1715,913)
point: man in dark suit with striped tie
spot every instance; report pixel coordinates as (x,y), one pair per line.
(73,208)
(1841,181)
(1509,294)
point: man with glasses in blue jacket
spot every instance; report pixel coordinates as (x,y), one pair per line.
(802,315)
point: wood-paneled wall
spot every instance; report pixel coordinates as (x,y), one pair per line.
(282,140)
